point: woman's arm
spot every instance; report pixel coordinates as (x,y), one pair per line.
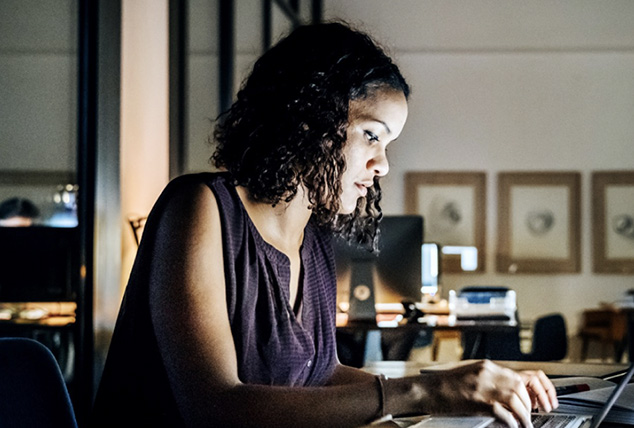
(457,391)
(346,375)
(188,307)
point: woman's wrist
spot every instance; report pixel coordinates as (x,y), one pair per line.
(408,395)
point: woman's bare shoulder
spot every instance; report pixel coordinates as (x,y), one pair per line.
(189,186)
(187,198)
(187,235)
(185,213)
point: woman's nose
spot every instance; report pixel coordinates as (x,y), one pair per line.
(380,165)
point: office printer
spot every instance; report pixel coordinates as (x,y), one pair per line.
(483,303)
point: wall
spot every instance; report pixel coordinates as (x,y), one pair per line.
(38,89)
(144,113)
(512,86)
(202,91)
(38,75)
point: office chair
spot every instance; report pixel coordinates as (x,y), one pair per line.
(550,342)
(550,339)
(606,325)
(32,390)
(492,346)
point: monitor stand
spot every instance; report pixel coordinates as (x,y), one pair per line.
(362,292)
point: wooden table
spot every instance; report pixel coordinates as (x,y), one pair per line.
(428,322)
(552,369)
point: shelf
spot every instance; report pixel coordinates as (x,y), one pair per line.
(65,321)
(38,314)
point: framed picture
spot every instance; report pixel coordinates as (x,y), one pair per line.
(613,222)
(539,222)
(453,206)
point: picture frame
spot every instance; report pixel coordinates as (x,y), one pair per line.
(539,222)
(453,206)
(613,222)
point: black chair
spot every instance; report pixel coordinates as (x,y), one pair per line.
(550,342)
(32,389)
(550,339)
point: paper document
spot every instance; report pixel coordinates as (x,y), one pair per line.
(591,401)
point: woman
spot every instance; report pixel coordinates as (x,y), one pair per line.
(228,318)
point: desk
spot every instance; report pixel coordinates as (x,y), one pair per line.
(628,309)
(428,322)
(407,422)
(552,369)
(361,332)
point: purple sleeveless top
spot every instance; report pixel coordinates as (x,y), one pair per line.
(274,346)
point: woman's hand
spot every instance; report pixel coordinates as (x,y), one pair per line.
(540,389)
(486,388)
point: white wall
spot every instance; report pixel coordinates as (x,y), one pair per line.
(38,93)
(202,80)
(38,75)
(512,86)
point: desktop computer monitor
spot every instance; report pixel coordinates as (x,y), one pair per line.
(365,279)
(38,264)
(430,267)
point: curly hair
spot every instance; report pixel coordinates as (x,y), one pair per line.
(288,124)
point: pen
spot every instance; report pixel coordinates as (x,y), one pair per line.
(571,389)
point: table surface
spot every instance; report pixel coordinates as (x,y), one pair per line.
(431,322)
(552,369)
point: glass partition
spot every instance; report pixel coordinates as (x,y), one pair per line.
(246,28)
(38,112)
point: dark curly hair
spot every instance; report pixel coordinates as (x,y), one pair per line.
(288,124)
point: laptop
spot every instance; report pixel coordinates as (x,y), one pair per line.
(540,420)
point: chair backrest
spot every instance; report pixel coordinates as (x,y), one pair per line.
(550,338)
(610,322)
(32,389)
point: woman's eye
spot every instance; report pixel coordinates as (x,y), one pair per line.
(371,136)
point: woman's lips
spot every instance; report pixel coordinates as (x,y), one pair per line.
(362,189)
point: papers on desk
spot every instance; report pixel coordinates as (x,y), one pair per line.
(591,402)
(453,422)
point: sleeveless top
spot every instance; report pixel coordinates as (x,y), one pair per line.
(274,345)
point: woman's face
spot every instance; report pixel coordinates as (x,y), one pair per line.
(374,122)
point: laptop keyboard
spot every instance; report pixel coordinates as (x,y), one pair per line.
(542,421)
(551,421)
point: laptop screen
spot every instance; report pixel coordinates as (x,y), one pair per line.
(596,421)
